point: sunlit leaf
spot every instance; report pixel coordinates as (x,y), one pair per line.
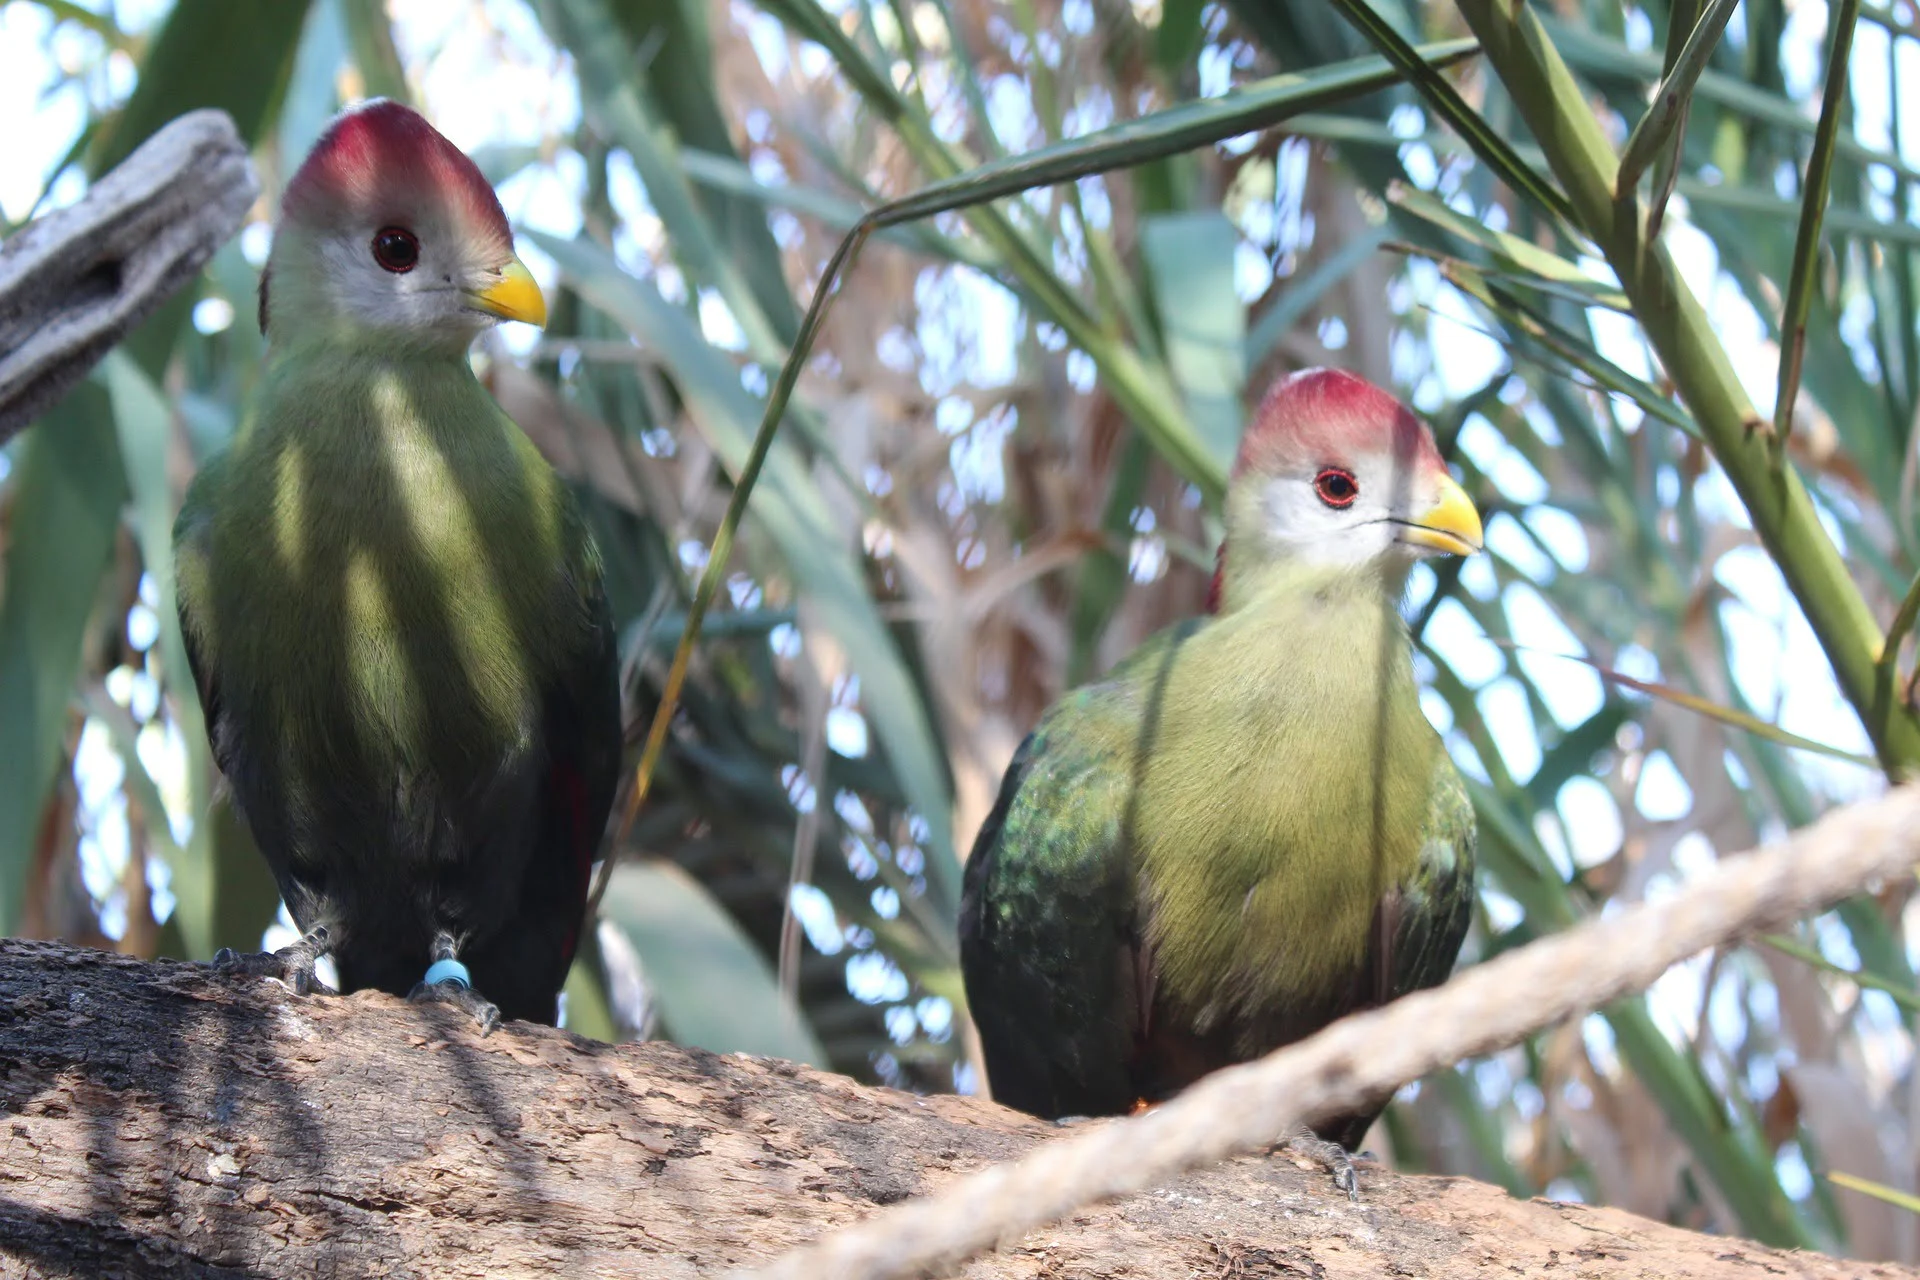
(61,531)
(1509,251)
(1904,1199)
(1190,259)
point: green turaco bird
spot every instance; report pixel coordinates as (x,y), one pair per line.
(393,610)
(1248,828)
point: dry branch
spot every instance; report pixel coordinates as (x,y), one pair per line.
(163,1122)
(74,282)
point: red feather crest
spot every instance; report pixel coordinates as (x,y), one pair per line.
(380,162)
(1321,417)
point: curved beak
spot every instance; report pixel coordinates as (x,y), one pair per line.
(1450,525)
(513,296)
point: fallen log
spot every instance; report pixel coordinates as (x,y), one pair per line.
(163,1121)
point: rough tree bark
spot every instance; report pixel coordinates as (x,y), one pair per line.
(161,1121)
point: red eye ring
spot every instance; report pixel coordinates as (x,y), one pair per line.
(396,249)
(1336,487)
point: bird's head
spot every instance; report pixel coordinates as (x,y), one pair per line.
(1334,471)
(389,229)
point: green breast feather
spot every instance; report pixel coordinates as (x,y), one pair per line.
(408,535)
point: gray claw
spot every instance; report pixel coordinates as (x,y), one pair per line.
(462,997)
(1332,1156)
(292,965)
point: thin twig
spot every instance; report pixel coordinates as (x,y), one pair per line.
(1361,1060)
(722,549)
(1682,19)
(815,698)
(1493,149)
(1906,997)
(1886,667)
(1806,243)
(1902,624)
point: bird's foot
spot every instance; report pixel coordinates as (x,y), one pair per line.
(1331,1156)
(448,982)
(292,964)
(460,996)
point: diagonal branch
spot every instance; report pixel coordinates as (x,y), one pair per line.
(1667,114)
(1806,242)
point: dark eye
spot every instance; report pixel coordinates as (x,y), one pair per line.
(396,249)
(1336,487)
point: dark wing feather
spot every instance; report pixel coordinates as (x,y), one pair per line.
(1045,929)
(252,790)
(1434,908)
(1058,979)
(192,532)
(527,965)
(1046,936)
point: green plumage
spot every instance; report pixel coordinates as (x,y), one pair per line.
(1243,832)
(398,626)
(389,504)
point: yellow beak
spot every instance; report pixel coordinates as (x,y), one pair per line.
(514,296)
(1450,525)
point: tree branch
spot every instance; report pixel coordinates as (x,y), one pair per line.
(74,282)
(161,1121)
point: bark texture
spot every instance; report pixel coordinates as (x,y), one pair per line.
(75,281)
(161,1121)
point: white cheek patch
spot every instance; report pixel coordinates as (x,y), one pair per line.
(374,297)
(1297,524)
(1292,512)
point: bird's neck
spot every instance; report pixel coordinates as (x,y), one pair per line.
(1320,650)
(350,397)
(1267,582)
(320,348)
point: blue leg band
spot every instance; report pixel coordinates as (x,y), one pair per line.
(448,971)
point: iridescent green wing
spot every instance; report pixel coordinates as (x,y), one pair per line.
(1048,942)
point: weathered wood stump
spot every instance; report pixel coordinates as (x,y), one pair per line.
(74,282)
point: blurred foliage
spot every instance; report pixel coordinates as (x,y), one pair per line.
(1000,470)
